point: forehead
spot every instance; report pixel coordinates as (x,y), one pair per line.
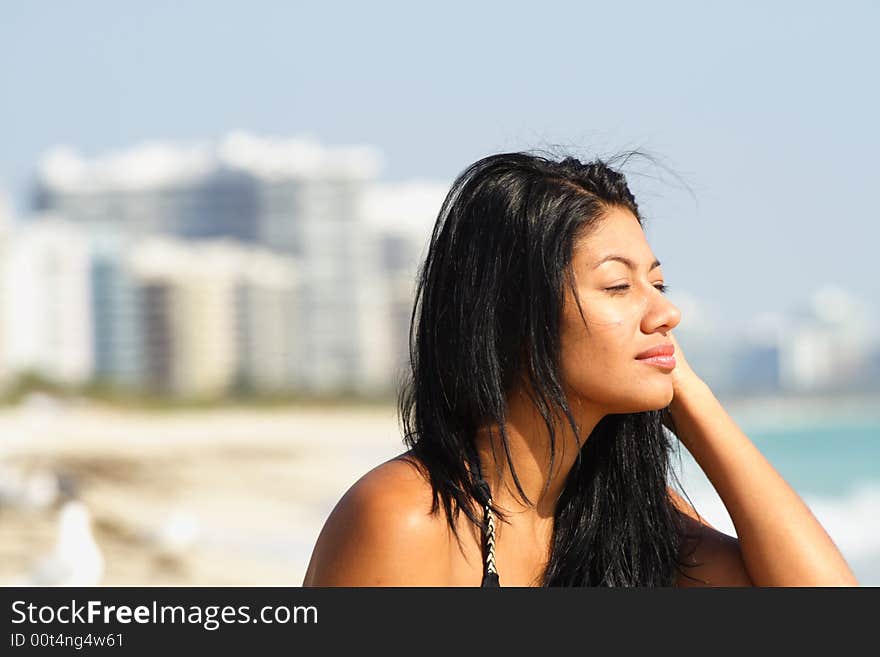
(618,233)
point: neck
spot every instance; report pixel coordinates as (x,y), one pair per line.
(529,443)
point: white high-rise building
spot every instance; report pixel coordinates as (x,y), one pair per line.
(310,205)
(46,301)
(402,215)
(294,196)
(830,344)
(118,305)
(5,212)
(269,352)
(5,241)
(152,189)
(217,317)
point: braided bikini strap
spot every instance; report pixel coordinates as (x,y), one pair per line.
(490,540)
(490,573)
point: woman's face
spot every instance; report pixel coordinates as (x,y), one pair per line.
(599,363)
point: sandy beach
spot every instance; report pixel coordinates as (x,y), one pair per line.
(225,496)
(251,487)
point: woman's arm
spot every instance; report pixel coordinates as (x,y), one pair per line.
(781,542)
(710,557)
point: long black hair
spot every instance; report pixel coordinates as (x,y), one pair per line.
(485,320)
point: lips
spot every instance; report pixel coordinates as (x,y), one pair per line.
(666,349)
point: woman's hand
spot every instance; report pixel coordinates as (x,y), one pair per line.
(682,375)
(684,379)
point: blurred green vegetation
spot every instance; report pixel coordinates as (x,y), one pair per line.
(31,383)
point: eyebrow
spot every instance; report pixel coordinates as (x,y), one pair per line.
(629,263)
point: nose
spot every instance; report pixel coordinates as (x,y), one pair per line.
(661,314)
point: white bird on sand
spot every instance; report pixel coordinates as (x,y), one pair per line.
(40,490)
(76,559)
(33,491)
(175,537)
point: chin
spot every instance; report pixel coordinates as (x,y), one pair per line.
(645,400)
(655,406)
(637,397)
(664,398)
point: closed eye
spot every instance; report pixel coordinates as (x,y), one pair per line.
(663,288)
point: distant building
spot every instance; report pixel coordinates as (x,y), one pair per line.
(829,346)
(45,293)
(6,236)
(293,196)
(754,369)
(218,318)
(269,351)
(873,369)
(5,212)
(403,216)
(154,189)
(342,310)
(119,313)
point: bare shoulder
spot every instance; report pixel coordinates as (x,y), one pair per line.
(381,533)
(713,558)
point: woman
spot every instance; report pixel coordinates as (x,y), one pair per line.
(543,372)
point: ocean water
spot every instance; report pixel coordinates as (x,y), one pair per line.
(831,459)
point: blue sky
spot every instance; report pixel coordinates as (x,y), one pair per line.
(769,113)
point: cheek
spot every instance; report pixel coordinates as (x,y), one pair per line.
(598,361)
(616,314)
(595,360)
